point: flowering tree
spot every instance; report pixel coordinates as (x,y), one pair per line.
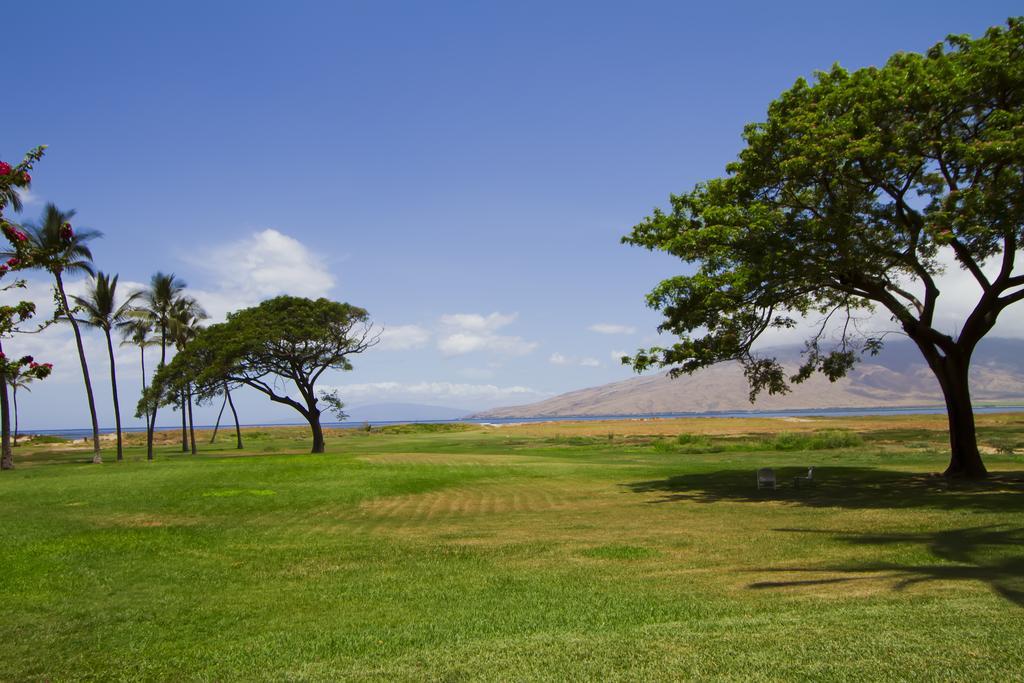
(11,317)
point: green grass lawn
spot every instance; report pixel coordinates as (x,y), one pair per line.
(628,551)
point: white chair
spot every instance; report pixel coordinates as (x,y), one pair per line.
(809,479)
(766,478)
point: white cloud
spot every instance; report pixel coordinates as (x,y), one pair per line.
(610,328)
(475,322)
(262,265)
(472,332)
(28,197)
(403,337)
(561,359)
(462,342)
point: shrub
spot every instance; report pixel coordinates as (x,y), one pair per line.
(816,441)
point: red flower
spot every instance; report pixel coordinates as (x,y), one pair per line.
(5,168)
(33,366)
(66,232)
(13,261)
(2,356)
(26,178)
(4,268)
(48,366)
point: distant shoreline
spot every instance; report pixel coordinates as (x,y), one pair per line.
(804,412)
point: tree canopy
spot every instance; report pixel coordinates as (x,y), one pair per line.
(285,340)
(848,197)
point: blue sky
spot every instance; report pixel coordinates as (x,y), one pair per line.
(462,170)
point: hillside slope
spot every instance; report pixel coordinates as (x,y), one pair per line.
(897,377)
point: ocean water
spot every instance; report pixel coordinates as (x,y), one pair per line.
(825,412)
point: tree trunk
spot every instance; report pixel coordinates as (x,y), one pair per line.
(238,428)
(216,426)
(6,453)
(184,426)
(965,459)
(14,397)
(96,457)
(149,431)
(318,432)
(191,424)
(152,416)
(113,387)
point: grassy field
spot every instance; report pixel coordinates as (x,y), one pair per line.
(636,550)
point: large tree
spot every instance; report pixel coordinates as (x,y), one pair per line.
(285,340)
(850,196)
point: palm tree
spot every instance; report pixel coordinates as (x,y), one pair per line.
(99,308)
(61,251)
(135,331)
(183,324)
(17,380)
(156,303)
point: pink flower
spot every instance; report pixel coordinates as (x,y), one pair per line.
(13,234)
(33,366)
(48,366)
(5,168)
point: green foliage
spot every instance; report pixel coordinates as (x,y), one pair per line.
(848,190)
(334,404)
(814,441)
(426,428)
(663,446)
(98,308)
(285,338)
(58,248)
(46,439)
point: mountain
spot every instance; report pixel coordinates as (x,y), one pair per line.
(393,412)
(896,377)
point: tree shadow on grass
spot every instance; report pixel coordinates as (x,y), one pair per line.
(993,555)
(844,487)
